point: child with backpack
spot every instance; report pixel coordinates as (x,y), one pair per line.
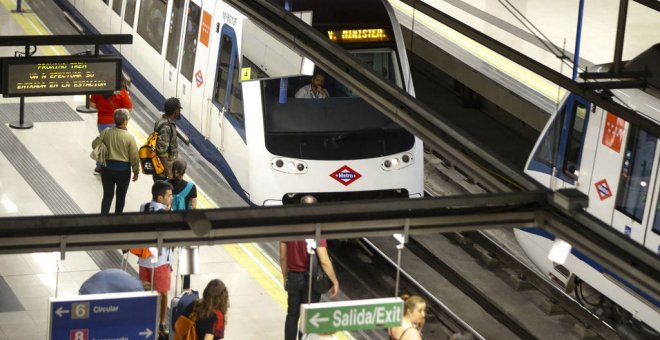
(205,318)
(184,193)
(184,196)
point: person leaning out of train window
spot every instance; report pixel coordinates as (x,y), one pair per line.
(313,90)
(414,317)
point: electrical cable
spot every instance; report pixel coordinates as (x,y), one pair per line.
(547,43)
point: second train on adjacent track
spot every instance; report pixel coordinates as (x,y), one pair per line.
(617,165)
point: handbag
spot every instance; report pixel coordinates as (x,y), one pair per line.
(99,153)
(321,283)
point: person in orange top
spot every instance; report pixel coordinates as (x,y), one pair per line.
(106,104)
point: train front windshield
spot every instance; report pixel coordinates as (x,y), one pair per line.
(332,124)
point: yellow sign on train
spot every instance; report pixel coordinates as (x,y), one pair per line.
(245,73)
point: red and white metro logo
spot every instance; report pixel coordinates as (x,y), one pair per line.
(345,175)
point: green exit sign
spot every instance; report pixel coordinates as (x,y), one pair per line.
(329,317)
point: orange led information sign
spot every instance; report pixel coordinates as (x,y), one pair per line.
(359,35)
(57,75)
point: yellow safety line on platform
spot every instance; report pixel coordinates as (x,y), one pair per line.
(268,274)
(525,76)
(32,25)
(260,268)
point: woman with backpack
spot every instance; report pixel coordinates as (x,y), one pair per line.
(208,315)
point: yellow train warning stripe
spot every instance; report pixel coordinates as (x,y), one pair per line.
(523,75)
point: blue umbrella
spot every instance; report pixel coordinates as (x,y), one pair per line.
(111,280)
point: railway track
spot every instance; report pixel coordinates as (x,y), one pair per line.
(503,264)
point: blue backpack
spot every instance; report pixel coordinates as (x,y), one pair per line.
(179,304)
(179,200)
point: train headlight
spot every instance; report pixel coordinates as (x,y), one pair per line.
(396,162)
(288,165)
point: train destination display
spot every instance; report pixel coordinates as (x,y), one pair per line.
(55,75)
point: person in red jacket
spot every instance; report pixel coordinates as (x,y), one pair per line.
(106,104)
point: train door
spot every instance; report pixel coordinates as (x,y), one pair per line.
(200,33)
(98,12)
(126,9)
(634,211)
(173,50)
(115,16)
(187,79)
(222,85)
(152,22)
(226,121)
(652,237)
(559,153)
(571,140)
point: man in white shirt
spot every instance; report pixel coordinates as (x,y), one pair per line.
(313,90)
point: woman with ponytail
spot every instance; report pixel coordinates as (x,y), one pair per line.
(414,315)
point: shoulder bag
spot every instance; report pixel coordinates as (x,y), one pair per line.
(100,153)
(321,283)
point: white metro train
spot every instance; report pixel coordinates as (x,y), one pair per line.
(617,165)
(237,85)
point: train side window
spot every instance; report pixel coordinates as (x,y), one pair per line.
(220,91)
(636,173)
(571,164)
(116,6)
(151,22)
(546,152)
(129,13)
(174,33)
(236,98)
(190,40)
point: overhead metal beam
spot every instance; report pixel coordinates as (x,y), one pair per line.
(76,39)
(615,84)
(620,110)
(653,4)
(620,34)
(336,221)
(231,225)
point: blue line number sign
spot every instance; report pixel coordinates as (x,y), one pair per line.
(120,316)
